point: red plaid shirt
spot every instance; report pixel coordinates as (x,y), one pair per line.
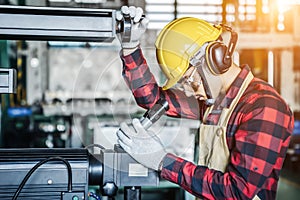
(258,135)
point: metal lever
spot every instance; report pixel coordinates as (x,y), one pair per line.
(124,27)
(154,113)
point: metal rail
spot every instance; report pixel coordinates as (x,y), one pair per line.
(57,24)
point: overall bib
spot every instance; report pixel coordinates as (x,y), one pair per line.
(213,149)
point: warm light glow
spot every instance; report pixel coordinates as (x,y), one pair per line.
(230,8)
(284,5)
(281,17)
(280,26)
(265,6)
(270,68)
(265,9)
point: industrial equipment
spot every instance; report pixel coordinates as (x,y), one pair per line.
(8,80)
(58,24)
(43,173)
(66,173)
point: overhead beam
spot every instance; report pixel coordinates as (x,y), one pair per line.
(57,24)
(266,40)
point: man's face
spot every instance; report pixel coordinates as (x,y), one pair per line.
(191,84)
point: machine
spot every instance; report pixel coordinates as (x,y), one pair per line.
(66,173)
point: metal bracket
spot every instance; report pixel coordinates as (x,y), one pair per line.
(8,80)
(57,24)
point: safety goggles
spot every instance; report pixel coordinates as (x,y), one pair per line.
(190,78)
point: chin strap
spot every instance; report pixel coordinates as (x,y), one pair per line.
(198,60)
(210,100)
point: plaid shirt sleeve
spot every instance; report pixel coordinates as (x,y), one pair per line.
(146,91)
(258,135)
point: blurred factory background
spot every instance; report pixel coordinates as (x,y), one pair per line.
(72,94)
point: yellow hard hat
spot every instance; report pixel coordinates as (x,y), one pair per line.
(178,41)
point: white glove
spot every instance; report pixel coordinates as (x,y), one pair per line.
(138,26)
(142,145)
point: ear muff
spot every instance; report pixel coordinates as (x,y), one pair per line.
(216,58)
(219,56)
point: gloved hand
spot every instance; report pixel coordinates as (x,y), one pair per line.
(144,146)
(138,26)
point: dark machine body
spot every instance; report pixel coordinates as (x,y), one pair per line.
(109,170)
(50,181)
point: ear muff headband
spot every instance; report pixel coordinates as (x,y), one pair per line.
(218,55)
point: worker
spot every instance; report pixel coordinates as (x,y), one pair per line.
(245,124)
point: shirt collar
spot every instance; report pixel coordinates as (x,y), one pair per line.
(225,100)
